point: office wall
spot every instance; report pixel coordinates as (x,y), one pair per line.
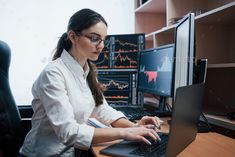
(32,28)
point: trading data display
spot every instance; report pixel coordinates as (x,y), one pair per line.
(103,61)
(156,71)
(121,51)
(108,43)
(119,87)
(126,43)
(126,51)
(125,60)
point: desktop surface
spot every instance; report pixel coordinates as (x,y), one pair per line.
(205,144)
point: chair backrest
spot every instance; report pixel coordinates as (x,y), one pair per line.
(11,132)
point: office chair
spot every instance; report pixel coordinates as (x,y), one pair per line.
(11,130)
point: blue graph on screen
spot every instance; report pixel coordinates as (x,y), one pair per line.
(155,73)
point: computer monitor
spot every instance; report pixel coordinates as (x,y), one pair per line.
(155,73)
(184,51)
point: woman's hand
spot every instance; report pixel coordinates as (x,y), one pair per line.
(148,121)
(139,134)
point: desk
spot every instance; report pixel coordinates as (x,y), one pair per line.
(205,145)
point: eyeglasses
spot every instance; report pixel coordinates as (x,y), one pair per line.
(94,39)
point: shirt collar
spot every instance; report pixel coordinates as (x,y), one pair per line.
(74,65)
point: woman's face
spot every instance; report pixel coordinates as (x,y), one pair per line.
(90,42)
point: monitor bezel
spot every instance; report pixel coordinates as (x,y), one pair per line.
(191,49)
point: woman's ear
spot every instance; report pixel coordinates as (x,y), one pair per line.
(72,36)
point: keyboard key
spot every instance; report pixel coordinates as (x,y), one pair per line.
(157,149)
(137,113)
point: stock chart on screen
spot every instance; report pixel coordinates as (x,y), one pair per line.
(156,70)
(125,60)
(117,67)
(126,51)
(121,51)
(120,87)
(103,60)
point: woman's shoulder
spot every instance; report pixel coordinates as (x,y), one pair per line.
(55,67)
(52,72)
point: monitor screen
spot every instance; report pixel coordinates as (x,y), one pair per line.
(120,87)
(155,72)
(184,52)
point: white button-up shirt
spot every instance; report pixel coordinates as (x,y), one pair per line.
(62,104)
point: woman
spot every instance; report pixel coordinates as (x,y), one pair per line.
(67,93)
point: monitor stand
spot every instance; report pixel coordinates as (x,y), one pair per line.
(161,111)
(162,104)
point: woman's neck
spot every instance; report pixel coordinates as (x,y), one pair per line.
(78,58)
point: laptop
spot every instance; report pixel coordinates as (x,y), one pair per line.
(183,129)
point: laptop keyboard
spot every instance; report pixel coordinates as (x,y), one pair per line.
(137,113)
(157,149)
(133,113)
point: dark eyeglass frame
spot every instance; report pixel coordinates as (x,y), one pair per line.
(94,39)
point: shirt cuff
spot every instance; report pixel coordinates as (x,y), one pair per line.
(85,136)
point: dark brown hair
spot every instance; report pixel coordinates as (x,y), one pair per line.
(83,19)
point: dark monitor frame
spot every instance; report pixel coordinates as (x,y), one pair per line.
(179,67)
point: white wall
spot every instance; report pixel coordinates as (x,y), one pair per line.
(32,27)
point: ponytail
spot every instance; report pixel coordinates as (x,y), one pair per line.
(95,86)
(63,43)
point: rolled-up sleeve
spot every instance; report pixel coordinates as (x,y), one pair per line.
(106,114)
(53,94)
(85,136)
